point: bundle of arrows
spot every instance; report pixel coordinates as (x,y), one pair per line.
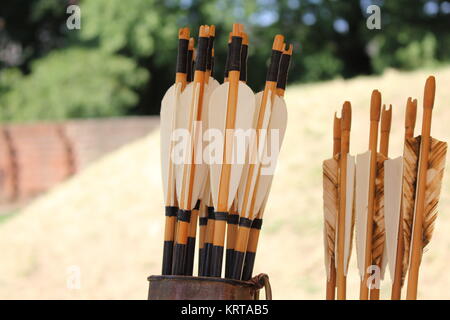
(215,142)
(391,203)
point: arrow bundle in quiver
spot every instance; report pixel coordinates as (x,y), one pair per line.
(205,136)
(395,203)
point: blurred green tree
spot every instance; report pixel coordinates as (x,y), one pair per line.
(123,58)
(72,83)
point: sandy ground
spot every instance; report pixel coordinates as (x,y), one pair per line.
(99,235)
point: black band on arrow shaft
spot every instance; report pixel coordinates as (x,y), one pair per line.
(238,261)
(183,45)
(284,70)
(167,258)
(233,218)
(248,266)
(184,215)
(244,222)
(208,259)
(216,261)
(202,51)
(244,53)
(221,216)
(229,262)
(257,224)
(202,221)
(171,211)
(209,53)
(227,62)
(201,261)
(235,54)
(272,73)
(211,213)
(179,256)
(197,205)
(189,65)
(190,253)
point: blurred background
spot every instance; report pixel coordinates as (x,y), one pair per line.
(81,210)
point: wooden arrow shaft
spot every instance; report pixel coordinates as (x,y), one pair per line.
(341,279)
(364,289)
(410,122)
(233,78)
(417,246)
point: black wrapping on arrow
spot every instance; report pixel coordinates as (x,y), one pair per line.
(248,266)
(193,69)
(201,261)
(221,216)
(227,62)
(189,66)
(202,221)
(190,253)
(209,53)
(212,66)
(183,45)
(208,259)
(167,258)
(197,205)
(229,255)
(237,265)
(171,211)
(179,256)
(202,51)
(244,53)
(184,215)
(257,224)
(233,219)
(245,222)
(285,62)
(216,261)
(210,213)
(235,54)
(272,73)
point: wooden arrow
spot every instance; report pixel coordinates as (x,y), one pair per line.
(232,107)
(169,109)
(233,217)
(375,108)
(424,215)
(397,266)
(210,85)
(191,178)
(379,228)
(345,207)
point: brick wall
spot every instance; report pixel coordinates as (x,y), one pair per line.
(35,157)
